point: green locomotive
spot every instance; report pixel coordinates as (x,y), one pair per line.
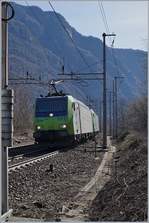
(61,117)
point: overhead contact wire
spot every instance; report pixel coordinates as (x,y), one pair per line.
(71,39)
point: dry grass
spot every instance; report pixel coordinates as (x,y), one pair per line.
(124,198)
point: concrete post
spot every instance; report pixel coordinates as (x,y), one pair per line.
(0,112)
(7,136)
(6,115)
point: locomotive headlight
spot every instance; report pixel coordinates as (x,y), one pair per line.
(63,126)
(38,127)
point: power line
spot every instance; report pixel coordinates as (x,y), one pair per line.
(33,12)
(59,48)
(115,60)
(104,18)
(91,65)
(53,40)
(61,60)
(68,34)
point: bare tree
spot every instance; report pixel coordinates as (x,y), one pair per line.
(23,110)
(137,115)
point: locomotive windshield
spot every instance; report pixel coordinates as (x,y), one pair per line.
(50,107)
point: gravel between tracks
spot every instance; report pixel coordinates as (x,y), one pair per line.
(36,192)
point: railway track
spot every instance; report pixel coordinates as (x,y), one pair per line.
(28,155)
(29,149)
(35,149)
(20,157)
(25,163)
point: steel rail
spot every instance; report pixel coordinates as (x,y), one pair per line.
(21,156)
(30,161)
(27,153)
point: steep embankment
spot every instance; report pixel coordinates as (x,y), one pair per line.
(124,198)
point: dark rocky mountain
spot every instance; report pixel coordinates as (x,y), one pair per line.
(38,44)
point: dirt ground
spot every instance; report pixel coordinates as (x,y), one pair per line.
(79,208)
(124,197)
(24,138)
(36,192)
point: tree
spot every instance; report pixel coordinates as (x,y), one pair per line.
(23,110)
(137,115)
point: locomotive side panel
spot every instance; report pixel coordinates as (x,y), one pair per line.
(76,119)
(70,122)
(96,123)
(85,119)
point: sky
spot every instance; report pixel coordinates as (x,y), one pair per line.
(127,19)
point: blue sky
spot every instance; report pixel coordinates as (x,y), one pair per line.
(128,19)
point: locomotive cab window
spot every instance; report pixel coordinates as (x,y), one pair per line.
(49,107)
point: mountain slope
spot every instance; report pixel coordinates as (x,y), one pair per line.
(38,44)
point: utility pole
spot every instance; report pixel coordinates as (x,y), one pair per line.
(0,118)
(113,109)
(104,91)
(6,114)
(110,113)
(104,78)
(100,116)
(116,112)
(116,104)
